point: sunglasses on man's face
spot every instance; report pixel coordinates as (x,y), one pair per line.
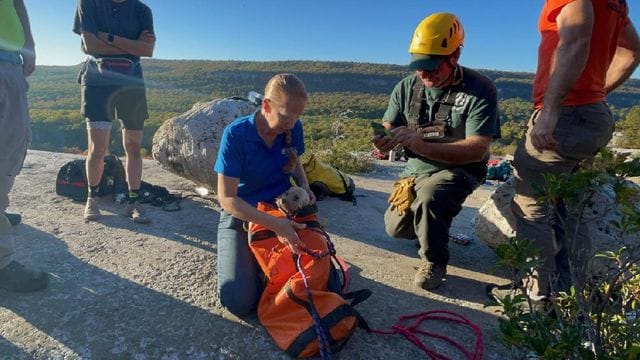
(442,61)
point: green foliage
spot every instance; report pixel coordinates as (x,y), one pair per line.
(630,128)
(345,143)
(600,317)
(360,90)
(345,160)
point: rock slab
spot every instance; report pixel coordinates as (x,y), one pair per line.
(187,145)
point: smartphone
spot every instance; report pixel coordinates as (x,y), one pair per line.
(379,129)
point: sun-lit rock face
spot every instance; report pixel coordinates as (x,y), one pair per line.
(187,144)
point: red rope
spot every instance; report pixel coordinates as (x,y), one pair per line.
(409,331)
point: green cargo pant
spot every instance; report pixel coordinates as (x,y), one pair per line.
(580,132)
(438,199)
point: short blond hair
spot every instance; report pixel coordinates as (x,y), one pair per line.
(286,85)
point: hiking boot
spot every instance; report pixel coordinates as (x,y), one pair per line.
(136,213)
(18,278)
(14,219)
(430,275)
(91,210)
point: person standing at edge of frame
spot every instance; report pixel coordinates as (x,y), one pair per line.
(115,34)
(588,48)
(17,61)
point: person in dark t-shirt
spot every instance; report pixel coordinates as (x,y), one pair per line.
(445,117)
(115,34)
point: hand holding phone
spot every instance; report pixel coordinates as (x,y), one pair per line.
(379,129)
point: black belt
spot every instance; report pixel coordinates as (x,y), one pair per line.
(12,57)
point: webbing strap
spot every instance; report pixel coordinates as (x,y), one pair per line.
(322,332)
(445,105)
(267,234)
(415,103)
(346,196)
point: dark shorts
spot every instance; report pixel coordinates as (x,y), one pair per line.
(107,103)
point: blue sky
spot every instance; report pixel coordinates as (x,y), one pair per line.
(500,34)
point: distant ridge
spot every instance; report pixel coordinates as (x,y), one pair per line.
(337,90)
(233,78)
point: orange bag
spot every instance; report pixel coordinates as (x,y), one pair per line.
(288,305)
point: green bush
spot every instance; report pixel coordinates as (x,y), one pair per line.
(599,318)
(342,157)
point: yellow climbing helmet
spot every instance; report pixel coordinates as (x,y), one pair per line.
(438,35)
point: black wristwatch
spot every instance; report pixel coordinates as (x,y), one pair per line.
(110,38)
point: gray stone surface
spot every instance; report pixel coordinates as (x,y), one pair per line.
(187,145)
(495,223)
(121,290)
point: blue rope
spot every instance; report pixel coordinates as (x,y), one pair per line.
(325,349)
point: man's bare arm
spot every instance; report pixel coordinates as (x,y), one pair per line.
(626,59)
(575,25)
(469,150)
(98,44)
(92,45)
(143,46)
(28,52)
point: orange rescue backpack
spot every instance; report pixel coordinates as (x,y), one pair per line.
(299,311)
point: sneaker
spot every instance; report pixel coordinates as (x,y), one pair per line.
(18,278)
(498,292)
(430,275)
(14,219)
(91,210)
(136,213)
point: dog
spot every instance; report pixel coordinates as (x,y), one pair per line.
(293,200)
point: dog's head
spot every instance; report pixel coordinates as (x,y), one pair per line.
(293,199)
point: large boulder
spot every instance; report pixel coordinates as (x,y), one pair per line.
(495,223)
(187,145)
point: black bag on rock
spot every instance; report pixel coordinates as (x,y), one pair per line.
(72,179)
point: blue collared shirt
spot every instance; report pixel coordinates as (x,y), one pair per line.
(244,155)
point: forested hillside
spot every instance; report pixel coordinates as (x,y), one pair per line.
(349,92)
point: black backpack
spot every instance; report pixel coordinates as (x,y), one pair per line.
(157,195)
(72,179)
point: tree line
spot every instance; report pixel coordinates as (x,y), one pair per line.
(360,90)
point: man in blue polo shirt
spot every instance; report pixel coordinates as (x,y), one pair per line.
(115,33)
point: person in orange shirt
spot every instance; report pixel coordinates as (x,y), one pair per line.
(588,48)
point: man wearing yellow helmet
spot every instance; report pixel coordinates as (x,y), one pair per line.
(445,116)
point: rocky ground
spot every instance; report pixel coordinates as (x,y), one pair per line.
(120,290)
